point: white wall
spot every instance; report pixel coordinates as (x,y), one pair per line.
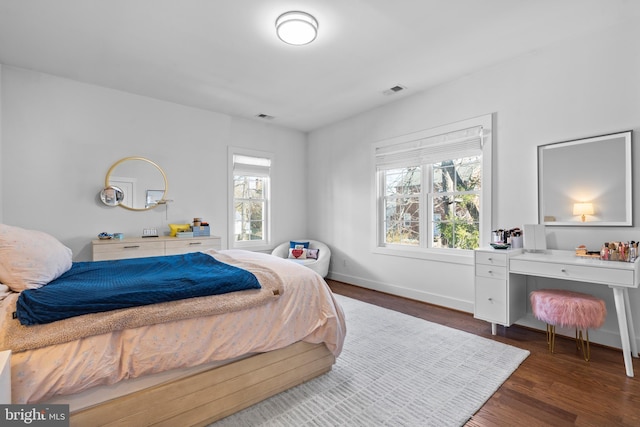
(579,88)
(59,138)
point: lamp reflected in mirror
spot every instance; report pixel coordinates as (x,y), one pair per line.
(112,195)
(582,210)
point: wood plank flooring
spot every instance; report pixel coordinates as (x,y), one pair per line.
(559,389)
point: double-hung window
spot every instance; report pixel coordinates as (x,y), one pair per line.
(250,193)
(433,188)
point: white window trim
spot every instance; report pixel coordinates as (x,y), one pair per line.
(459,256)
(260,245)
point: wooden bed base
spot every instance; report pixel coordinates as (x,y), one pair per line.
(208,396)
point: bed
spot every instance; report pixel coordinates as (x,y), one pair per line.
(186,370)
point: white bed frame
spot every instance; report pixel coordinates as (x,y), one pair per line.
(205,397)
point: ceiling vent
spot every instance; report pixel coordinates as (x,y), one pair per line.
(395,89)
(265,116)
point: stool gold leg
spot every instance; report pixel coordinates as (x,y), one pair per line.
(551,337)
(587,355)
(586,352)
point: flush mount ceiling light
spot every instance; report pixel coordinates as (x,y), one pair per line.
(296,28)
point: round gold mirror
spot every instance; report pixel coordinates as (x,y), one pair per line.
(142,183)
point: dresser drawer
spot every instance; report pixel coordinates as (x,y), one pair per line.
(580,273)
(110,251)
(491,271)
(153,246)
(183,246)
(491,300)
(491,258)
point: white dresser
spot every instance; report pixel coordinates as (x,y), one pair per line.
(151,246)
(500,297)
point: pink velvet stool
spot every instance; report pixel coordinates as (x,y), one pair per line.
(567,308)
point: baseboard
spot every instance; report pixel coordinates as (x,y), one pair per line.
(431,298)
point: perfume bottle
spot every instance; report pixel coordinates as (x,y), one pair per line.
(604,252)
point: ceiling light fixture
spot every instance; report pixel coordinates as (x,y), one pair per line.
(296,28)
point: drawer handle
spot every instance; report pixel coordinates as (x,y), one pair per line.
(490,271)
(194,243)
(490,259)
(564,270)
(490,299)
(132,247)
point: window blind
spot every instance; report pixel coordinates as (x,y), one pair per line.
(433,149)
(253,166)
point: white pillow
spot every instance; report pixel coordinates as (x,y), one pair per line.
(30,259)
(298,253)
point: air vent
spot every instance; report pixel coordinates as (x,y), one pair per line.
(265,116)
(395,89)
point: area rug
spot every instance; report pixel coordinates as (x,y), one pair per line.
(394,370)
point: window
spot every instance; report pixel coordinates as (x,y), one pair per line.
(250,205)
(434,188)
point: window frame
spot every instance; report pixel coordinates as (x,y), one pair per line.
(265,242)
(463,256)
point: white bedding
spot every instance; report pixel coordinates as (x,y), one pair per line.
(305,311)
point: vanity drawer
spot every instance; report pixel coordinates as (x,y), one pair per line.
(491,300)
(110,251)
(491,271)
(183,246)
(491,258)
(581,273)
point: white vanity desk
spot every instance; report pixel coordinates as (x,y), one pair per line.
(619,276)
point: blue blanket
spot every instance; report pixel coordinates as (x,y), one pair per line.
(97,286)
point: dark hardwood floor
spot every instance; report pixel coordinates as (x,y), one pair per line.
(559,389)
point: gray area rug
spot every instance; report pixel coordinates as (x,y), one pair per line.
(395,370)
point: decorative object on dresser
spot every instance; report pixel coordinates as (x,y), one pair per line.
(141,247)
(565,308)
(199,228)
(535,237)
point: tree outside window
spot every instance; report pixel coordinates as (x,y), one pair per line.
(402,205)
(249,207)
(456,203)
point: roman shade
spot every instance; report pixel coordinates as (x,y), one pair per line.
(250,165)
(433,149)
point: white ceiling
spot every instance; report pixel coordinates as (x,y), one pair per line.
(223,55)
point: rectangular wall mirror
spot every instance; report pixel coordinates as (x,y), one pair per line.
(586,182)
